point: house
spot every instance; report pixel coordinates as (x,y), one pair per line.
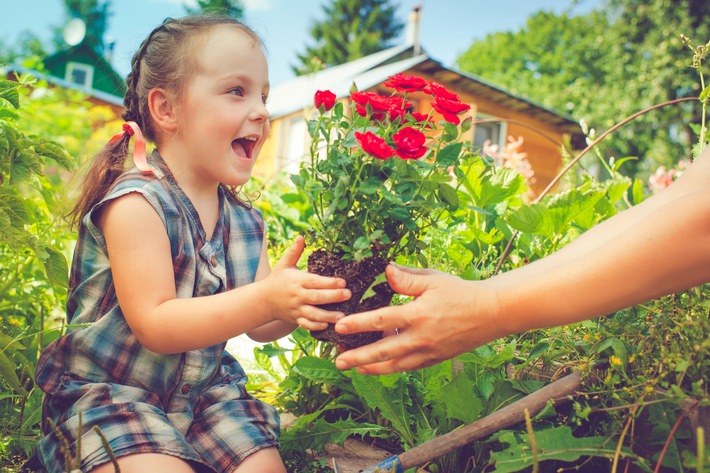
(81,67)
(497,114)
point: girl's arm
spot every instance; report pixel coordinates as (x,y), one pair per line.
(141,264)
(658,247)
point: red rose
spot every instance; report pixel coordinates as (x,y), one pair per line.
(324,99)
(450,109)
(398,106)
(374,145)
(421,118)
(410,143)
(440,92)
(404,83)
(378,104)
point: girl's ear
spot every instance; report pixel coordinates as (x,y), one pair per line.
(162,110)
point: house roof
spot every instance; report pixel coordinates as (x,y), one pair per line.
(106,97)
(105,78)
(296,94)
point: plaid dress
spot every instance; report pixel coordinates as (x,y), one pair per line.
(191,405)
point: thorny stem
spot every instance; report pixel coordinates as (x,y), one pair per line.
(557,178)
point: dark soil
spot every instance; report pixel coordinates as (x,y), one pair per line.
(359,277)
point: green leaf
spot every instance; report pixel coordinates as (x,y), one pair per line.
(460,400)
(388,394)
(616,346)
(619,162)
(556,443)
(535,218)
(315,436)
(8,374)
(318,369)
(449,155)
(55,265)
(637,191)
(703,97)
(9,90)
(449,195)
(15,209)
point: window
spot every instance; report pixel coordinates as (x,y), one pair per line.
(80,74)
(493,131)
(293,149)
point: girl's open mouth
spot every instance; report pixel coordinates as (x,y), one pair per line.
(244,147)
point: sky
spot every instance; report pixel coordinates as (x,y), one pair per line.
(448,27)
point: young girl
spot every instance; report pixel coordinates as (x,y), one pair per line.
(169,265)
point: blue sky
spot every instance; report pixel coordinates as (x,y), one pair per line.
(447,26)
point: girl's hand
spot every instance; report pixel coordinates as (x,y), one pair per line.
(294,294)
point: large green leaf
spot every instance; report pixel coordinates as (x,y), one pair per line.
(8,374)
(555,443)
(460,400)
(56,267)
(9,90)
(318,369)
(316,435)
(387,394)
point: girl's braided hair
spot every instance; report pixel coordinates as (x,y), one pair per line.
(164,60)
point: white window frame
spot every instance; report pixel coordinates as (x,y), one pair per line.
(502,130)
(88,71)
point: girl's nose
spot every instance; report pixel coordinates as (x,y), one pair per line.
(259,111)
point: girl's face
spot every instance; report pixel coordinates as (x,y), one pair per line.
(223,120)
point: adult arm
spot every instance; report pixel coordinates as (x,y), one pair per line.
(658,247)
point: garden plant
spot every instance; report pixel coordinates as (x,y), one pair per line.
(379,177)
(644,395)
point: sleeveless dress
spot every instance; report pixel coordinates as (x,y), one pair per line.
(191,405)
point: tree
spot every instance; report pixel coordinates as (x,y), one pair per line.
(231,8)
(605,66)
(351,29)
(27,44)
(95,15)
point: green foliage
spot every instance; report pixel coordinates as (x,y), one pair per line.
(231,8)
(350,30)
(612,62)
(39,143)
(364,202)
(95,15)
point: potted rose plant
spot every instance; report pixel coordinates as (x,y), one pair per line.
(378,176)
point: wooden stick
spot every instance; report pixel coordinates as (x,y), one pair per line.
(505,417)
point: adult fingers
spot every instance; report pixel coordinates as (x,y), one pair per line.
(409,281)
(386,318)
(388,355)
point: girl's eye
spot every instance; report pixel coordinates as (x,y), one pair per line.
(238,91)
(265,99)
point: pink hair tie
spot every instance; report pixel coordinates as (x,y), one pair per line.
(139,158)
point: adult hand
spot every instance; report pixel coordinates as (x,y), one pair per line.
(449,316)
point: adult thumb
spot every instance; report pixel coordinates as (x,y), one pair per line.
(408,281)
